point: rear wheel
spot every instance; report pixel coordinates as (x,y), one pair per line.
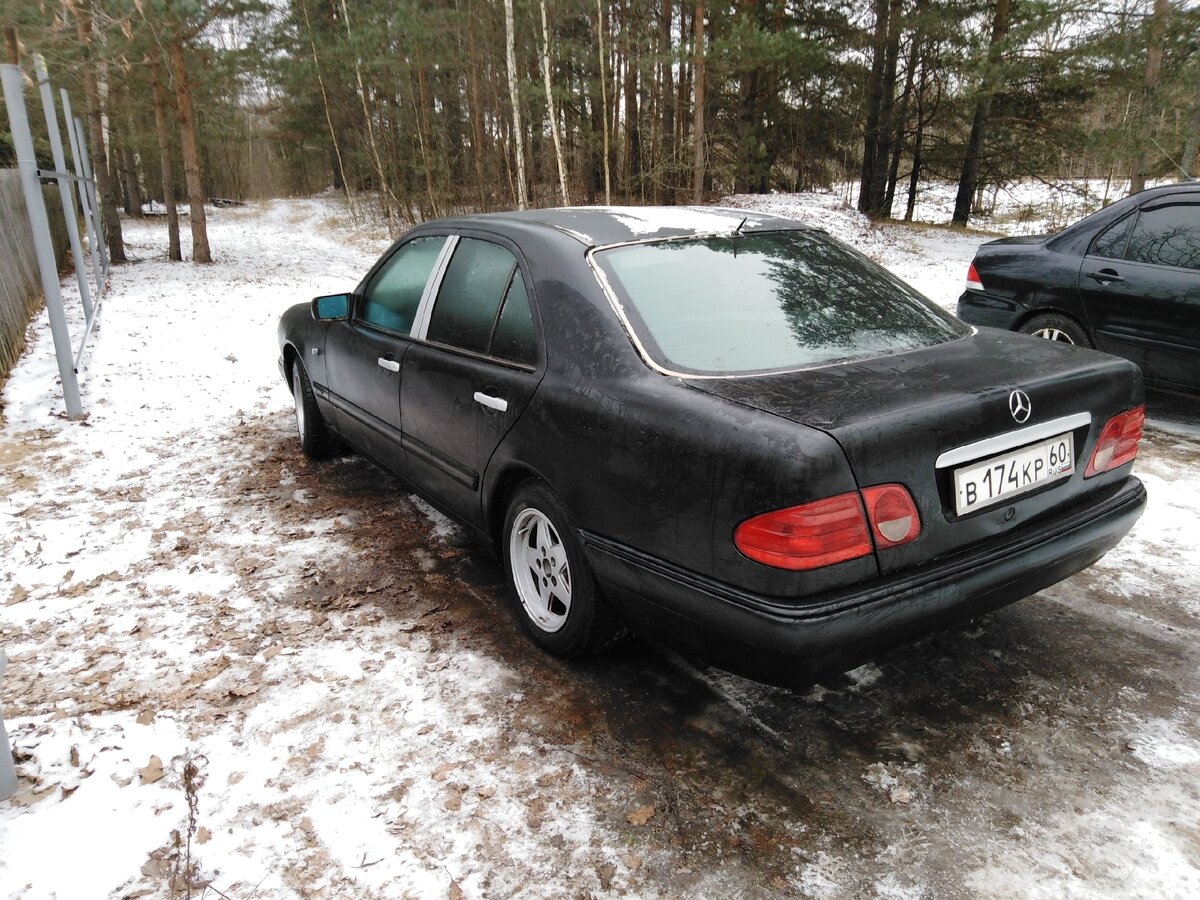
(556,593)
(315,440)
(1057,327)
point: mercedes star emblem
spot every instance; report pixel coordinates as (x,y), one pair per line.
(1019,406)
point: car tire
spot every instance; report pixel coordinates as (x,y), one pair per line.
(1057,327)
(549,578)
(315,439)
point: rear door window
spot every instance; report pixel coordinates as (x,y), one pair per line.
(469,297)
(482,304)
(1111,242)
(1167,236)
(394,292)
(767,302)
(513,338)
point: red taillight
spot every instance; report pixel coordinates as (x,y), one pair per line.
(893,515)
(1118,442)
(805,537)
(973,282)
(832,530)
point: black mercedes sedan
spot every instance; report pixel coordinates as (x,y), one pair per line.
(727,432)
(1125,279)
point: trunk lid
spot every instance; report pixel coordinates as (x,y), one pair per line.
(894,416)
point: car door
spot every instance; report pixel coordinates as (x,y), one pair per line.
(1140,286)
(464,385)
(365,354)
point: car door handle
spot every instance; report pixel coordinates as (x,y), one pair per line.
(491,402)
(1104,276)
(390,364)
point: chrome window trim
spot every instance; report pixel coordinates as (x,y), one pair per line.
(1011,439)
(619,309)
(425,307)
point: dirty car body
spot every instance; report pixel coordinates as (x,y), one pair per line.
(732,434)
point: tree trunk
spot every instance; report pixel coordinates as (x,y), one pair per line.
(969,179)
(698,109)
(336,163)
(558,154)
(191,158)
(666,95)
(1154,52)
(603,102)
(133,190)
(391,204)
(918,137)
(633,137)
(476,111)
(902,121)
(1191,139)
(91,90)
(166,168)
(867,188)
(514,97)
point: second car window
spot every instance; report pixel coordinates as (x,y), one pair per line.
(475,280)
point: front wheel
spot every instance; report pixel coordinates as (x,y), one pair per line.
(315,440)
(1055,327)
(556,593)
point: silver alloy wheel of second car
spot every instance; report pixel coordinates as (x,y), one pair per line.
(298,396)
(540,569)
(1054,334)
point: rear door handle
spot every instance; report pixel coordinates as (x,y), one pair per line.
(390,364)
(1104,276)
(495,403)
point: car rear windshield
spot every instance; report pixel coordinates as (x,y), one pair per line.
(767,302)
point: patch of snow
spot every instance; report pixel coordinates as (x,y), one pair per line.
(1163,745)
(649,220)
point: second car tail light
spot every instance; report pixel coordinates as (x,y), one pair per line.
(1118,442)
(973,282)
(806,537)
(893,515)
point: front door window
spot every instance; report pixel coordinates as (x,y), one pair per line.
(394,292)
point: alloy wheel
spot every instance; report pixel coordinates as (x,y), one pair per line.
(541,570)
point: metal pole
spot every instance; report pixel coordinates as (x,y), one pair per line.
(66,190)
(8,774)
(35,206)
(91,186)
(89,218)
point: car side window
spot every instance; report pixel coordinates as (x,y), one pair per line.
(394,292)
(467,302)
(1167,236)
(513,338)
(1111,242)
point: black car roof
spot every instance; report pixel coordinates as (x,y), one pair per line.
(596,226)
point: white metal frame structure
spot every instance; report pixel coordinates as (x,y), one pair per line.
(77,192)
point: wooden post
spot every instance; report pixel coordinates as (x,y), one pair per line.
(12,46)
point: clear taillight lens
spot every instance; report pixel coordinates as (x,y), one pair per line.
(893,515)
(1118,442)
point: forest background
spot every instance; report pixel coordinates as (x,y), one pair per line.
(422,109)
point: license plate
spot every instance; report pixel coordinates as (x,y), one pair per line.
(1013,473)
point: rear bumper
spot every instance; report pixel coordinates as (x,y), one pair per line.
(981,308)
(788,643)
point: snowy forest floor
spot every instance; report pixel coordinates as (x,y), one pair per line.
(286,679)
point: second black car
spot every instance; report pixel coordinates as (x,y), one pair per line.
(1125,280)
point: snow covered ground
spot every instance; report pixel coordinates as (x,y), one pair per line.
(234,667)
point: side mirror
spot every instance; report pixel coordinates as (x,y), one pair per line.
(331,307)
